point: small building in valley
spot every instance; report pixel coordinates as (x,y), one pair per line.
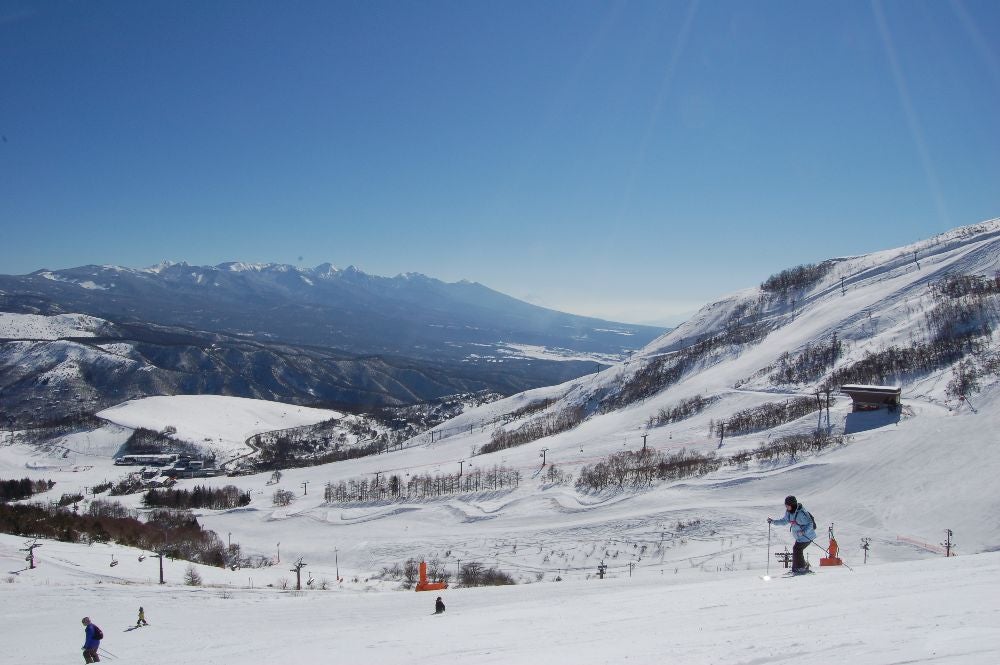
(871,398)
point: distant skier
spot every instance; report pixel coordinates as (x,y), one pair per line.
(439,606)
(802,530)
(92,641)
(142,618)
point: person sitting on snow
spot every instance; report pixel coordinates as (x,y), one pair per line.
(438,605)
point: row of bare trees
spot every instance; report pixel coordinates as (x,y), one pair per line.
(421,486)
(765,416)
(809,364)
(966,374)
(176,533)
(641,468)
(144,441)
(895,362)
(789,446)
(645,467)
(680,411)
(799,277)
(218,498)
(957,286)
(964,316)
(539,428)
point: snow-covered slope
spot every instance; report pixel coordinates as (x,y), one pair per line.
(219,424)
(36,326)
(684,557)
(939,611)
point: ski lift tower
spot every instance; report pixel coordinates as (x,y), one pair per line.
(30,549)
(298,574)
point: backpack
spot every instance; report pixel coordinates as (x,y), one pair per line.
(98,633)
(813,519)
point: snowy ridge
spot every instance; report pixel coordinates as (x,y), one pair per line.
(39,327)
(970,250)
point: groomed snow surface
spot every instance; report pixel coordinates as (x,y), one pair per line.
(932,611)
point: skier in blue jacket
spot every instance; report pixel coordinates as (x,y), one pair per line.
(802,530)
(91,642)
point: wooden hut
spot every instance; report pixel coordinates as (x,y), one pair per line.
(871,398)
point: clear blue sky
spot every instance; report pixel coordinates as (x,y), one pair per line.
(631,160)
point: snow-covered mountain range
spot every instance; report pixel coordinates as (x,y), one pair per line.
(410,315)
(310,336)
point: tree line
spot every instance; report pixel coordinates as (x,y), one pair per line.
(809,364)
(957,286)
(176,534)
(287,450)
(279,459)
(680,411)
(965,305)
(144,441)
(642,468)
(533,430)
(42,427)
(219,498)
(647,466)
(891,363)
(966,374)
(393,487)
(799,277)
(766,416)
(16,490)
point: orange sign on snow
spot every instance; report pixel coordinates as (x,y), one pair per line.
(424,585)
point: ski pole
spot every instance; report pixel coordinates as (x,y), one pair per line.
(107,653)
(768,571)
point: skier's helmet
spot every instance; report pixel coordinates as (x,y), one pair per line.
(791,503)
(85,620)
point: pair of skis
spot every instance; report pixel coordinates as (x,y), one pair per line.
(792,573)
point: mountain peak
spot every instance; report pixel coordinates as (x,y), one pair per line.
(240,266)
(156,269)
(325,270)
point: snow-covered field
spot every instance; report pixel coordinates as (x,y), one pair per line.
(935,611)
(685,559)
(218,423)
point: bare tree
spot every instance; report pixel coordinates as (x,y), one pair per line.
(191,576)
(411,570)
(471,574)
(282,498)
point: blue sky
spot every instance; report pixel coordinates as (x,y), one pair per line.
(630,160)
